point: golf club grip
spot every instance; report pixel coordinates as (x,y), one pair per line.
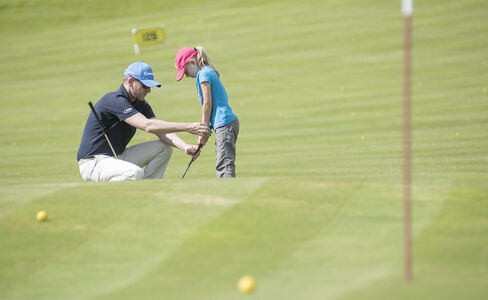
(192,159)
(101,127)
(196,152)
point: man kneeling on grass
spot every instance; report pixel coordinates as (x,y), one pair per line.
(121,112)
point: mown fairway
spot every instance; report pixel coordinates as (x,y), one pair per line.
(316,210)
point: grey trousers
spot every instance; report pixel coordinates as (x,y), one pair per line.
(225,146)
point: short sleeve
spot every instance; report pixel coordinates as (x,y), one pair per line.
(122,108)
(144,108)
(205,77)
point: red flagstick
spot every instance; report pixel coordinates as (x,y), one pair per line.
(407,8)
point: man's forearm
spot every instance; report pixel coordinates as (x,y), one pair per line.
(163,127)
(172,139)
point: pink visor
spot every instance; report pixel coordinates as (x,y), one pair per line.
(183,56)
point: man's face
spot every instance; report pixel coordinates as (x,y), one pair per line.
(139,90)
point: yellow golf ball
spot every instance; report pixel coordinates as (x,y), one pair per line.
(41,215)
(246,284)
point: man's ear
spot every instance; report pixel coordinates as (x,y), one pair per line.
(130,81)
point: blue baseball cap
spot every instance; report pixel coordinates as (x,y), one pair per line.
(142,72)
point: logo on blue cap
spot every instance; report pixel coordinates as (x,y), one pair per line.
(142,72)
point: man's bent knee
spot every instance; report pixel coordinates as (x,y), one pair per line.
(167,149)
(163,148)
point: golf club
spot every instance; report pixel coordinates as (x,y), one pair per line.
(192,159)
(101,126)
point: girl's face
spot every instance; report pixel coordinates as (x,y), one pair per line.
(191,69)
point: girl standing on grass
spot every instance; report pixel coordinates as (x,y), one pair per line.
(194,62)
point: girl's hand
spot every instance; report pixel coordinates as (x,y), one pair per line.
(203,139)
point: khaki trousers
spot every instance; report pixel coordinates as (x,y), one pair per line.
(153,155)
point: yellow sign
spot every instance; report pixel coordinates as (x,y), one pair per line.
(148,36)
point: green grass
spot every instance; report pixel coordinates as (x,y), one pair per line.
(316,210)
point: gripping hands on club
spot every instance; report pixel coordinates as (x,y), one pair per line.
(193,151)
(202,140)
(204,132)
(201,129)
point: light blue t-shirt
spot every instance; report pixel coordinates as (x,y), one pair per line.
(221,112)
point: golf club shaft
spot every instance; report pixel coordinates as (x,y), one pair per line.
(192,159)
(101,126)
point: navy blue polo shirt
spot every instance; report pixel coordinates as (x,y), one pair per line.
(112,109)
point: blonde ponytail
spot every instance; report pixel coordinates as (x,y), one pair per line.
(203,60)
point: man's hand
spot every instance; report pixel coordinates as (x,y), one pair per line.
(200,129)
(191,149)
